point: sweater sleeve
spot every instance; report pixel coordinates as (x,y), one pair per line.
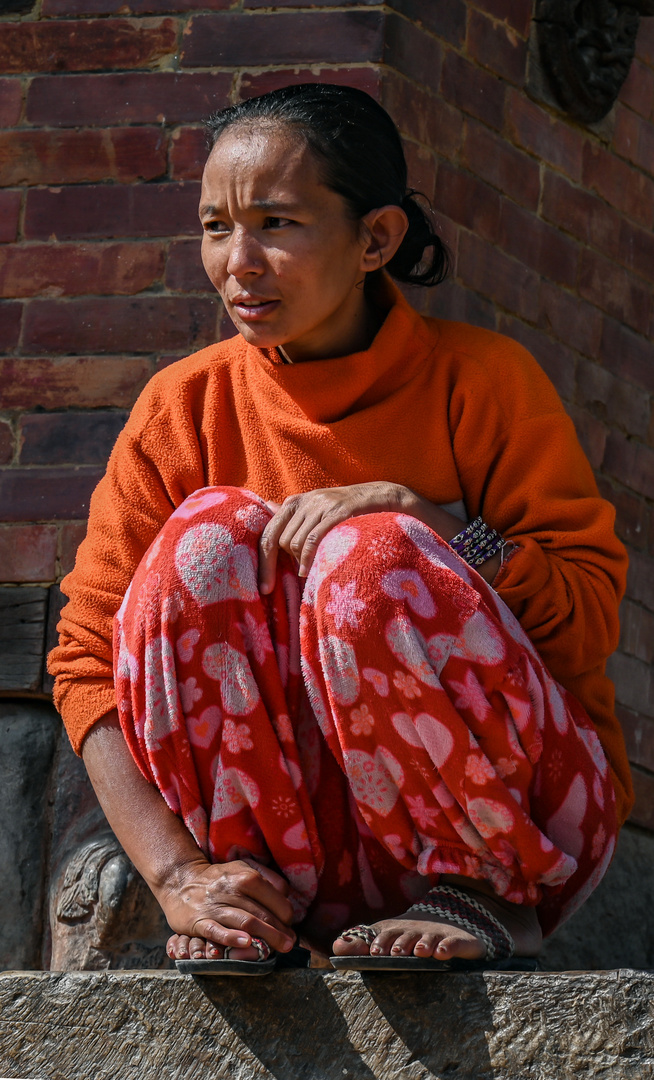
(156,463)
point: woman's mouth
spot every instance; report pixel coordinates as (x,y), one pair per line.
(253,310)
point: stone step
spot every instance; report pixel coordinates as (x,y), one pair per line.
(315,1025)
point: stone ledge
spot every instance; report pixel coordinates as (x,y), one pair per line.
(306,1025)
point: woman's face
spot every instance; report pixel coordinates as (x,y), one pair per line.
(280,247)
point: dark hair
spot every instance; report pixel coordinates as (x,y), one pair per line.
(362,159)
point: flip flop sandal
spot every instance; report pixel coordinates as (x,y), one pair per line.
(462,910)
(268,961)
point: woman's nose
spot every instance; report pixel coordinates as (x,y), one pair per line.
(244,254)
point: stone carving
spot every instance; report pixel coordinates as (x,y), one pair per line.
(586,48)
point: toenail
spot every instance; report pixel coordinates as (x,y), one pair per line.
(375,949)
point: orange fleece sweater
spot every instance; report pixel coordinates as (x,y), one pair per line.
(451,411)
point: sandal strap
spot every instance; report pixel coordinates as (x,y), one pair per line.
(259,944)
(365,933)
(464,911)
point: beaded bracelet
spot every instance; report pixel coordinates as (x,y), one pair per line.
(477,543)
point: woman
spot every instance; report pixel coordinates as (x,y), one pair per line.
(352,550)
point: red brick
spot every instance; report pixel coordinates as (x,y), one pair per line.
(591,433)
(71,536)
(6,443)
(250,84)
(580,213)
(11,102)
(634,683)
(131,98)
(468,201)
(78,269)
(632,515)
(69,438)
(634,139)
(421,166)
(637,632)
(72,381)
(184,269)
(517,13)
(637,249)
(640,578)
(255,5)
(188,153)
(623,187)
(85,46)
(27,553)
(73,157)
(303,38)
(497,47)
(421,116)
(501,165)
(10,320)
(447,21)
(450,300)
(627,354)
(412,52)
(557,362)
(105,211)
(538,245)
(630,462)
(645,42)
(543,135)
(615,290)
(643,811)
(639,737)
(112,324)
(473,90)
(638,89)
(617,402)
(50,494)
(127,7)
(9,215)
(488,271)
(570,319)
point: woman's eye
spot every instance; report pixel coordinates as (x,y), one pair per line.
(215,227)
(276,222)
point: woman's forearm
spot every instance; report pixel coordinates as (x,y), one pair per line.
(448,526)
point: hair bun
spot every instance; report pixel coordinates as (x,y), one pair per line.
(420,235)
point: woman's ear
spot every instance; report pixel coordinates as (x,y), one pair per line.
(383,231)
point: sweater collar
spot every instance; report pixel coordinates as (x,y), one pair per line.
(329,390)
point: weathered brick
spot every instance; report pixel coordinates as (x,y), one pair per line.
(632,520)
(188,153)
(452,301)
(637,631)
(447,21)
(497,47)
(558,362)
(72,381)
(492,273)
(634,683)
(282,38)
(73,157)
(78,269)
(412,52)
(184,269)
(105,211)
(250,84)
(615,290)
(71,535)
(130,98)
(69,438)
(502,165)
(580,213)
(473,90)
(27,553)
(645,42)
(622,186)
(11,102)
(49,494)
(630,462)
(639,736)
(517,13)
(570,319)
(627,355)
(637,249)
(85,45)
(638,90)
(10,320)
(6,442)
(421,166)
(536,130)
(619,403)
(112,324)
(421,116)
(127,7)
(468,201)
(9,214)
(537,244)
(643,811)
(255,5)
(640,578)
(634,139)
(591,433)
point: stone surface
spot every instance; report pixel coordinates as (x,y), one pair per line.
(22,628)
(305,1025)
(29,731)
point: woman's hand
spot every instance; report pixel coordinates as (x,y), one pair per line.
(212,905)
(301,522)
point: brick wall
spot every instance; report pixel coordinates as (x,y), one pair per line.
(550,224)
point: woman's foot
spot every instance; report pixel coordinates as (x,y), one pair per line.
(415,933)
(181,947)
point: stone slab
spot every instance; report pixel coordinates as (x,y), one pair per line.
(311,1025)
